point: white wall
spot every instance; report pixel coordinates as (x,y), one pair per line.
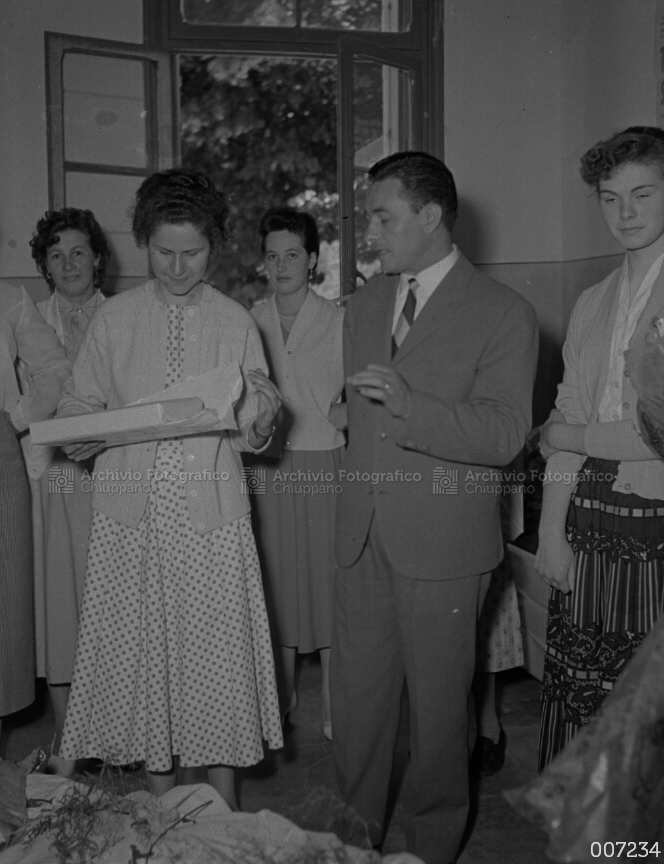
(609,83)
(503,73)
(529,86)
(23,178)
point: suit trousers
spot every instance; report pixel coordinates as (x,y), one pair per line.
(388,628)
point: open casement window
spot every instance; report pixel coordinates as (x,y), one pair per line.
(110,125)
(380,112)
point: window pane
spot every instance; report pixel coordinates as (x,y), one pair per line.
(387,16)
(382,110)
(104,110)
(256,13)
(265,129)
(109,196)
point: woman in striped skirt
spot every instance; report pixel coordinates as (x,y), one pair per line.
(601,531)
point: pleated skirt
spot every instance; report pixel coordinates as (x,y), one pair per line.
(17,654)
(294,511)
(592,632)
(61,518)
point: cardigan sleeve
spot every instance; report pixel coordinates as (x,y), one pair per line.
(45,364)
(619,440)
(247,408)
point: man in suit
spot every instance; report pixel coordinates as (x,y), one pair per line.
(440,362)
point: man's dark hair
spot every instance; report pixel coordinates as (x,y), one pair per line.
(641,145)
(424,179)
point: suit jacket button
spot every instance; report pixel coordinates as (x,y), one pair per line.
(383,435)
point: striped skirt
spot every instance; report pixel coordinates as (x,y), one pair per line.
(618,543)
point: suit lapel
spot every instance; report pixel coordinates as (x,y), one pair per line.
(440,307)
(376,338)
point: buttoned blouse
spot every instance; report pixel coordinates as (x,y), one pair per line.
(25,335)
(122,358)
(59,313)
(308,369)
(586,353)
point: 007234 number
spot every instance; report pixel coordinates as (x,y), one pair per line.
(624,849)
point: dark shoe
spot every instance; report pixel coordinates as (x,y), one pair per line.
(287,716)
(488,756)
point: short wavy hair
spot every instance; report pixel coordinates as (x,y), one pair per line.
(177,197)
(289,219)
(642,145)
(424,179)
(48,232)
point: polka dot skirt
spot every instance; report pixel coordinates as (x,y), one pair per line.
(174,652)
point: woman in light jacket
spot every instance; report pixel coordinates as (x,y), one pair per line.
(71,253)
(294,506)
(173,662)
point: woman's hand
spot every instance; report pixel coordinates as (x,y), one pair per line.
(557,435)
(269,402)
(82,450)
(555,560)
(545,445)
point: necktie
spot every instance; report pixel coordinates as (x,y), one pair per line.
(407,316)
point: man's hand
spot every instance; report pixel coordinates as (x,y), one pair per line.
(383,384)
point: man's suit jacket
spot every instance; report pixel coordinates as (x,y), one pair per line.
(470,360)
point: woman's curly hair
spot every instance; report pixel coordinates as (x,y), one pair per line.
(643,145)
(177,197)
(48,233)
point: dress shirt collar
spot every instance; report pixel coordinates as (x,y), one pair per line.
(428,280)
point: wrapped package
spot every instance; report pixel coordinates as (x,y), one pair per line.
(131,425)
(607,787)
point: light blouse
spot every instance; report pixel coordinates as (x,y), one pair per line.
(308,370)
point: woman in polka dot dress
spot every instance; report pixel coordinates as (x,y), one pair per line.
(173,662)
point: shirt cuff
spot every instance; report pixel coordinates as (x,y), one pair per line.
(17,417)
(267,442)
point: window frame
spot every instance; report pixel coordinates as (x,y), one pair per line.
(419,49)
(169,31)
(162,143)
(350,51)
